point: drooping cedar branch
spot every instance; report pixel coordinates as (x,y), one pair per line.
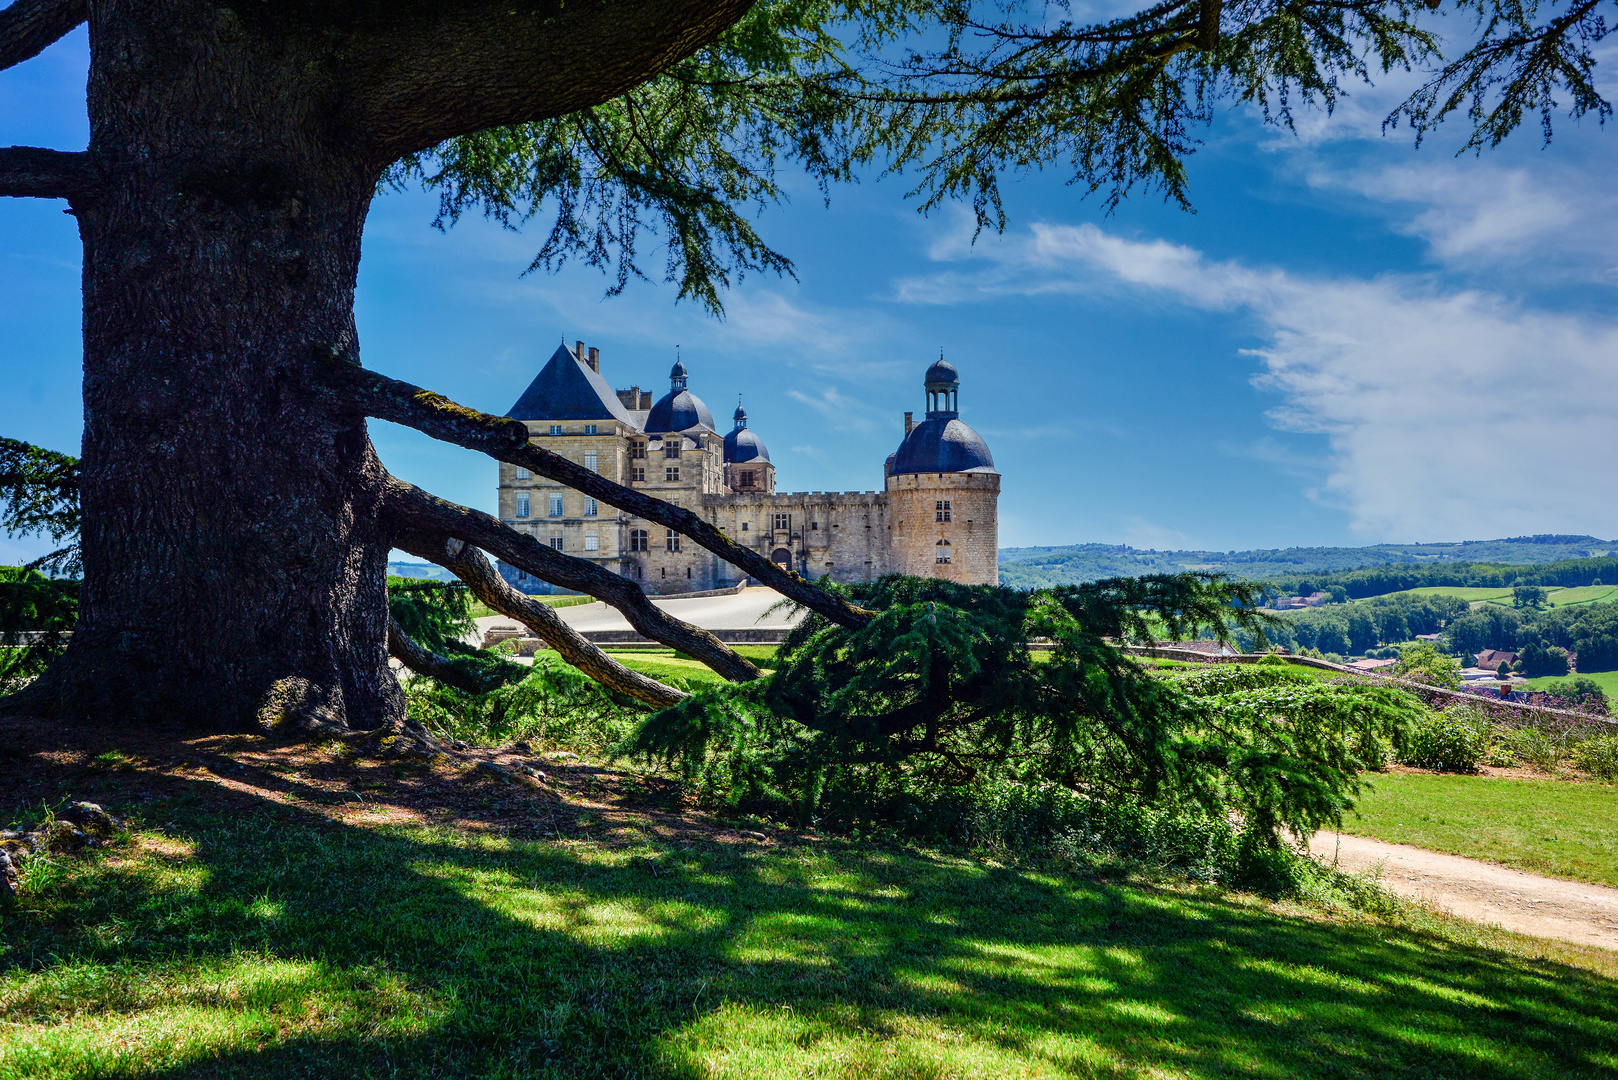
(409,509)
(423,661)
(417,74)
(28,27)
(34,172)
(467,563)
(507,440)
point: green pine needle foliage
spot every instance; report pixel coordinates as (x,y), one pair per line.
(941,693)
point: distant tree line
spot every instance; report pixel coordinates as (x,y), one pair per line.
(1361,628)
(1381,580)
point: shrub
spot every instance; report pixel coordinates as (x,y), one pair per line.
(1423,662)
(555,706)
(1533,747)
(1450,741)
(1598,756)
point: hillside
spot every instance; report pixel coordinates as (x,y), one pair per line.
(1035,567)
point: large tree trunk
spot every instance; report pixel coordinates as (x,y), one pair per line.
(233,570)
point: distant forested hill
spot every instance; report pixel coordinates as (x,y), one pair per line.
(1036,567)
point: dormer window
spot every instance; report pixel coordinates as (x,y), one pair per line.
(671,448)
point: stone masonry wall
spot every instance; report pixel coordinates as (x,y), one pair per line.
(972,531)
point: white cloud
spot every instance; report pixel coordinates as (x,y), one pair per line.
(1447,413)
(843,412)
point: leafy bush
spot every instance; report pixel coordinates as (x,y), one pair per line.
(555,706)
(1454,740)
(1533,747)
(1423,662)
(1598,756)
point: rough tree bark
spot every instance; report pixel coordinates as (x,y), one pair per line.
(234,557)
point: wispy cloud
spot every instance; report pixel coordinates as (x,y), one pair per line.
(1446,412)
(841,411)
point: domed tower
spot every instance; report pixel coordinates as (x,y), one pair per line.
(747,460)
(943,492)
(679,409)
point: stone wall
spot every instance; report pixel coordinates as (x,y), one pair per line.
(916,503)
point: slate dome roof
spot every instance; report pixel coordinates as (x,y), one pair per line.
(941,445)
(741,444)
(679,409)
(942,371)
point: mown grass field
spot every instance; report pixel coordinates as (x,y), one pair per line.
(252,939)
(1554,597)
(1554,827)
(1607,680)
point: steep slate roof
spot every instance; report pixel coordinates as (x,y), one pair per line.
(566,389)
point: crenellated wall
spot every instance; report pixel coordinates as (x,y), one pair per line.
(919,503)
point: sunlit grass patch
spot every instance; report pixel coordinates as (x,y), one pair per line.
(283,944)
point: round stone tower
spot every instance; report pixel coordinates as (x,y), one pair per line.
(943,493)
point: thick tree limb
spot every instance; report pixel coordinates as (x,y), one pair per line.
(33,172)
(506,439)
(467,563)
(412,510)
(29,27)
(423,661)
(417,74)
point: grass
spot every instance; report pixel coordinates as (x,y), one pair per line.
(666,663)
(264,940)
(481,610)
(1554,827)
(1554,597)
(1607,680)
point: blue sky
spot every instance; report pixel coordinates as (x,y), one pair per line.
(1351,340)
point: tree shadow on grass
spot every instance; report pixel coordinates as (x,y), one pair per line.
(265,940)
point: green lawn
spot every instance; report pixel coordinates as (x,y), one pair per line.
(666,663)
(1589,594)
(1607,680)
(1555,827)
(267,941)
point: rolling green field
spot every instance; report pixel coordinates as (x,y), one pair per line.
(1554,827)
(666,663)
(1554,597)
(265,941)
(1607,680)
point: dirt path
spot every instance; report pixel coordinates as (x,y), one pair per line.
(1482,891)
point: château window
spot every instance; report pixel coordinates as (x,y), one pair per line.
(942,513)
(744,526)
(590,460)
(521,473)
(522,506)
(556,542)
(688,573)
(783,522)
(671,473)
(591,508)
(671,448)
(589,429)
(556,429)
(556,506)
(813,525)
(941,549)
(592,542)
(637,539)
(745,480)
(637,474)
(637,450)
(672,541)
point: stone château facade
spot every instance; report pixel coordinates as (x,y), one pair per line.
(936,516)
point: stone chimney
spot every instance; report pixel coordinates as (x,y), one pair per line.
(578,351)
(595,358)
(910,423)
